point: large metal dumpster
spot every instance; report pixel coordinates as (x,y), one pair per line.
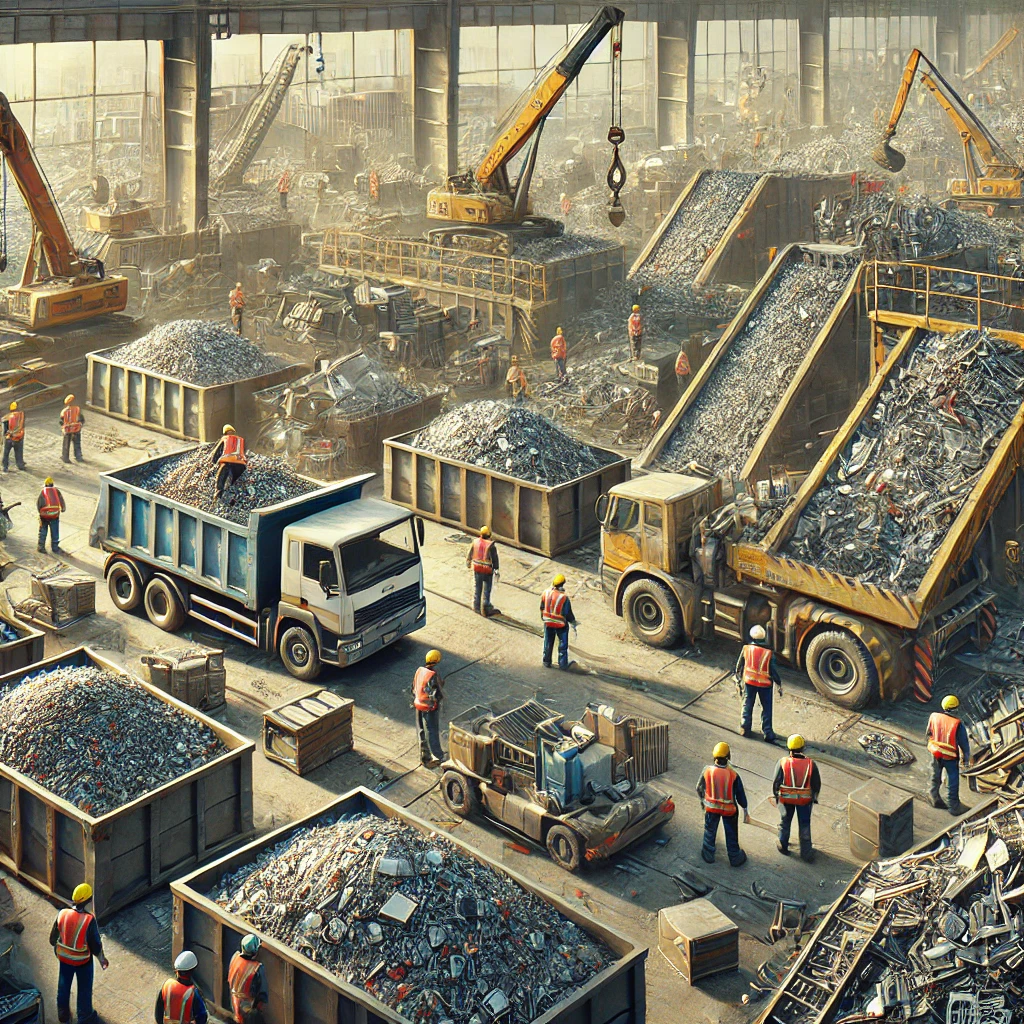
(51,844)
(23,651)
(302,991)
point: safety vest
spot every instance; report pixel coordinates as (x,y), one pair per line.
(558,348)
(51,503)
(234,450)
(553,610)
(796,780)
(636,324)
(516,378)
(424,689)
(284,182)
(942,730)
(241,977)
(755,665)
(236,299)
(178,999)
(15,426)
(72,937)
(719,784)
(69,419)
(682,365)
(482,556)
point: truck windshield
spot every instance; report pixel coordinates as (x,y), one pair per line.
(371,559)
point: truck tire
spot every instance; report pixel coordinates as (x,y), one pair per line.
(652,612)
(564,847)
(124,584)
(841,669)
(459,793)
(163,606)
(299,653)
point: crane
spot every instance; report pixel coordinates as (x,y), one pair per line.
(993,179)
(487,197)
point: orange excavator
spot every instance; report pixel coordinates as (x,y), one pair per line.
(58,286)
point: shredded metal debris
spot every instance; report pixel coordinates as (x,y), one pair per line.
(885,749)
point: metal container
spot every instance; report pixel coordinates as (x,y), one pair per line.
(535,517)
(28,648)
(301,991)
(194,674)
(52,845)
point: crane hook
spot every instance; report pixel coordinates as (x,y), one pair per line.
(616,177)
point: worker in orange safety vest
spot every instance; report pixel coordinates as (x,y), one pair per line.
(236,300)
(14,437)
(516,386)
(559,351)
(71,420)
(556,615)
(284,184)
(179,1000)
(721,795)
(50,504)
(754,673)
(229,457)
(247,981)
(635,326)
(796,786)
(948,745)
(482,558)
(75,938)
(682,368)
(427,687)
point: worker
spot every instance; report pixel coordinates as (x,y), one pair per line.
(229,457)
(284,184)
(75,938)
(179,1000)
(721,794)
(71,420)
(558,353)
(14,437)
(515,381)
(947,743)
(236,300)
(754,673)
(556,614)
(247,981)
(796,787)
(482,558)
(636,333)
(50,505)
(427,687)
(682,367)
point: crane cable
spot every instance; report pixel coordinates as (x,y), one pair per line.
(616,176)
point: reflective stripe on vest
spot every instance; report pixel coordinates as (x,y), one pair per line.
(718,790)
(51,504)
(178,998)
(69,420)
(241,976)
(482,556)
(942,730)
(553,612)
(234,449)
(755,665)
(682,365)
(16,426)
(424,692)
(73,937)
(796,780)
(236,299)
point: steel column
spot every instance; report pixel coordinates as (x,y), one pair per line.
(436,90)
(674,52)
(814,43)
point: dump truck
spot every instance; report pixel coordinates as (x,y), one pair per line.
(329,577)
(553,781)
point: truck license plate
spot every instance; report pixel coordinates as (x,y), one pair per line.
(388,637)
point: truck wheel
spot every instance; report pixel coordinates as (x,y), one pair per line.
(841,669)
(653,613)
(299,653)
(460,794)
(125,586)
(564,847)
(163,606)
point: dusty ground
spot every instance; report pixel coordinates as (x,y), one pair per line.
(483,659)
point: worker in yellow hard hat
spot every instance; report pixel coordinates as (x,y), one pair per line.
(49,505)
(230,459)
(71,420)
(721,795)
(635,327)
(14,437)
(236,302)
(75,938)
(796,787)
(556,614)
(427,693)
(482,558)
(948,745)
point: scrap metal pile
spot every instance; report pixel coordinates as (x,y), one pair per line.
(98,739)
(997,741)
(198,352)
(887,503)
(415,922)
(721,426)
(510,439)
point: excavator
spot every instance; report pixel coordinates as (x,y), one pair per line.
(58,285)
(994,181)
(485,205)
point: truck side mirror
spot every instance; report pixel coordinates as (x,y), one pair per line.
(327,583)
(420,531)
(601,508)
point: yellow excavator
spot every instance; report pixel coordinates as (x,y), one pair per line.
(994,181)
(485,205)
(58,286)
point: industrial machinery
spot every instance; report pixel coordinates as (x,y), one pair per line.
(1002,44)
(58,285)
(994,182)
(485,204)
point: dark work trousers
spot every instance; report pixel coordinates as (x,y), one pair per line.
(560,368)
(803,826)
(227,475)
(636,344)
(236,319)
(731,827)
(550,633)
(430,738)
(951,766)
(51,526)
(69,440)
(750,695)
(282,198)
(83,975)
(482,591)
(18,447)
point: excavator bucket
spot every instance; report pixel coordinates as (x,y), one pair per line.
(886,156)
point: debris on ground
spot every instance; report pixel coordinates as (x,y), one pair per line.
(997,741)
(886,750)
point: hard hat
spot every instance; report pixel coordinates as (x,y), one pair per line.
(558,581)
(721,750)
(186,961)
(83,892)
(757,633)
(558,331)
(48,482)
(433,657)
(14,405)
(238,284)
(485,531)
(636,309)
(949,703)
(251,943)
(227,429)
(69,399)
(514,360)
(795,742)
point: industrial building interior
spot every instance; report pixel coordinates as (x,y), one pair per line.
(458,455)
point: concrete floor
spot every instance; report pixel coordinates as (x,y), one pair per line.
(483,659)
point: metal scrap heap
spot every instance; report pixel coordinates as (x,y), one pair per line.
(510,439)
(198,352)
(418,924)
(887,503)
(723,423)
(997,741)
(97,739)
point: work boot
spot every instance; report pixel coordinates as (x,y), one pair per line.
(770,737)
(936,801)
(957,809)
(784,850)
(41,549)
(739,861)
(708,858)
(744,732)
(807,856)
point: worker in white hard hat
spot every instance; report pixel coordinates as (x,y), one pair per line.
(948,745)
(755,673)
(795,787)
(75,938)
(180,1001)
